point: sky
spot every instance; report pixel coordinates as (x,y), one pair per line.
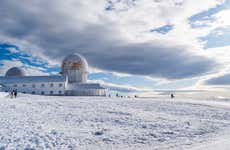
(132,46)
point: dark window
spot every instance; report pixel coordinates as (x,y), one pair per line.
(33,92)
(42,92)
(60,92)
(24,92)
(24,85)
(15,85)
(51,92)
(60,85)
(42,85)
(33,86)
(51,85)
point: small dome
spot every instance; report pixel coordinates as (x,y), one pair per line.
(74,62)
(15,71)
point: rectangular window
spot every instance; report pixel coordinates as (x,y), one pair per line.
(33,86)
(60,85)
(42,85)
(51,85)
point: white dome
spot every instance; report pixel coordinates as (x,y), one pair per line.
(75,67)
(74,62)
(15,71)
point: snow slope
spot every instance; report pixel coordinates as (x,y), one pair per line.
(45,122)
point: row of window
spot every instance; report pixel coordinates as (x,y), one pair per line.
(43,92)
(42,85)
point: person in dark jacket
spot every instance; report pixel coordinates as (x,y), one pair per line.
(172,96)
(15,93)
(12,94)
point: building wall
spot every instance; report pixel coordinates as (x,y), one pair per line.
(38,88)
(77,76)
(86,92)
(51,88)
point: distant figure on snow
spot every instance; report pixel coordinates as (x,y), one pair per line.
(15,93)
(172,96)
(117,95)
(11,94)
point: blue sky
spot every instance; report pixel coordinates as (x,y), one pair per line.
(134,46)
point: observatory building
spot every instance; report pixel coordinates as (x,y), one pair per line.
(71,82)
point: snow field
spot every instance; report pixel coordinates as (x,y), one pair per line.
(45,122)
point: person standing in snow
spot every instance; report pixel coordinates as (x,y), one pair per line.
(117,95)
(12,94)
(15,93)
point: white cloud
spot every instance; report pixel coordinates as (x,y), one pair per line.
(13,50)
(220,54)
(222,19)
(86,27)
(120,87)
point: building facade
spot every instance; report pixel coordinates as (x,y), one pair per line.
(71,82)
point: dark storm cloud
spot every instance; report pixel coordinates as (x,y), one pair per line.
(57,34)
(220,80)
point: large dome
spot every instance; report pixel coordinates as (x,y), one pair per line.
(75,67)
(15,71)
(74,62)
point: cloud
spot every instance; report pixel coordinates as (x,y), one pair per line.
(219,37)
(220,75)
(13,50)
(110,40)
(120,88)
(220,80)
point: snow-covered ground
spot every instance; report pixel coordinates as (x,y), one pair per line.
(43,122)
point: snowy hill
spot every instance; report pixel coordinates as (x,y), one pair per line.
(42,122)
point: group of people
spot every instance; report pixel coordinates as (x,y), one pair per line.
(13,94)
